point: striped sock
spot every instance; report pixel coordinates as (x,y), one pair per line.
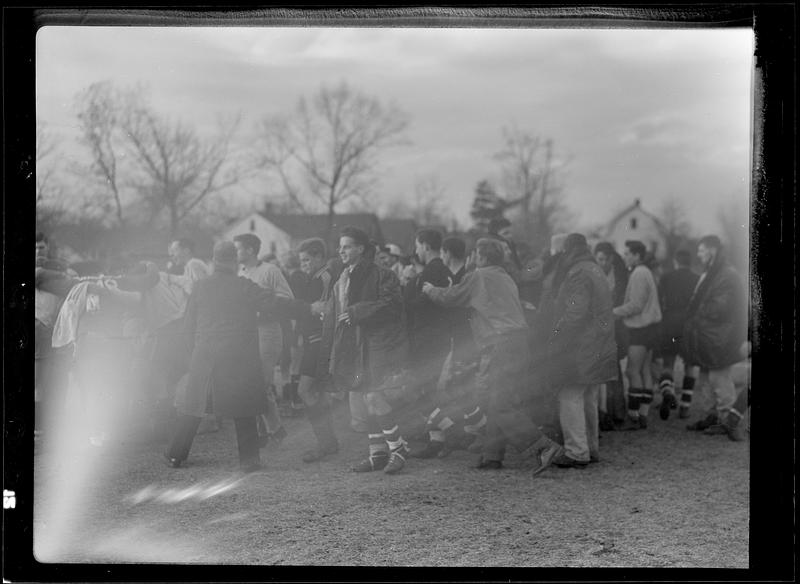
(377,444)
(633,402)
(437,423)
(666,384)
(474,421)
(394,441)
(645,399)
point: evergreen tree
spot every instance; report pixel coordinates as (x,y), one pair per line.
(486,206)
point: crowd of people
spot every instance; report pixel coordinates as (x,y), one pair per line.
(492,351)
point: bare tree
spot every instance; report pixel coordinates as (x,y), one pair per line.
(328,149)
(176,169)
(101,110)
(532,181)
(46,164)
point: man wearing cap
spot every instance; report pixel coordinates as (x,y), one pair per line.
(225,375)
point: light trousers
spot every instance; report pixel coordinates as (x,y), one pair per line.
(577,411)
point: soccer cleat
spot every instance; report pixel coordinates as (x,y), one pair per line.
(397,460)
(701,425)
(642,422)
(630,424)
(683,413)
(476,446)
(489,464)
(715,430)
(668,402)
(377,462)
(565,461)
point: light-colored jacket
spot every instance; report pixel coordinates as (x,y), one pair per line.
(493,296)
(640,307)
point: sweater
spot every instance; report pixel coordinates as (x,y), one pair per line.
(640,307)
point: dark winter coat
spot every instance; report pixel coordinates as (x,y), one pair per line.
(716,322)
(429,325)
(374,345)
(581,348)
(674,293)
(221,329)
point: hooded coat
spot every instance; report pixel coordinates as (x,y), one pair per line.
(716,320)
(220,325)
(580,347)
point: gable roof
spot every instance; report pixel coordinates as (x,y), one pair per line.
(305,226)
(637,204)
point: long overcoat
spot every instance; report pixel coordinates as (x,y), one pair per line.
(716,323)
(374,345)
(220,324)
(581,349)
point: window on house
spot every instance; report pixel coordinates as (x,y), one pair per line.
(252,224)
(633,222)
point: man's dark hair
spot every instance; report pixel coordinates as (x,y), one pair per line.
(710,241)
(40,236)
(250,241)
(358,235)
(498,223)
(314,246)
(491,250)
(456,247)
(186,244)
(431,237)
(606,248)
(575,242)
(636,247)
(683,258)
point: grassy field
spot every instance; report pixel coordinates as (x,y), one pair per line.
(664,497)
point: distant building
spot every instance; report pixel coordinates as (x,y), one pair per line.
(281,232)
(634,222)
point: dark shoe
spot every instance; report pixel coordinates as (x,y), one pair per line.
(430,450)
(668,403)
(735,433)
(251,467)
(172,462)
(372,463)
(565,461)
(715,430)
(397,460)
(489,464)
(642,422)
(606,422)
(630,424)
(594,458)
(683,413)
(701,425)
(547,455)
(319,453)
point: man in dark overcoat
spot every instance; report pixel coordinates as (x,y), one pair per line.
(225,376)
(716,327)
(581,352)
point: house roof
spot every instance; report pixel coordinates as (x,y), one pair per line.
(637,204)
(401,232)
(305,226)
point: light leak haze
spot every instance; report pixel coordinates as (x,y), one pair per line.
(639,113)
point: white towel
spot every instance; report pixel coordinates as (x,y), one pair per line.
(65,331)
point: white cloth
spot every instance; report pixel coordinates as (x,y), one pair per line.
(45,306)
(65,331)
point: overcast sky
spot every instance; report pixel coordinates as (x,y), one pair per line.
(643,114)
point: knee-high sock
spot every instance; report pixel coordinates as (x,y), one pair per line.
(666,384)
(377,443)
(686,391)
(391,433)
(437,424)
(634,397)
(645,400)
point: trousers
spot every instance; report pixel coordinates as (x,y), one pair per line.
(577,412)
(186,430)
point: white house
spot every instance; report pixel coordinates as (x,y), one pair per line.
(636,223)
(273,239)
